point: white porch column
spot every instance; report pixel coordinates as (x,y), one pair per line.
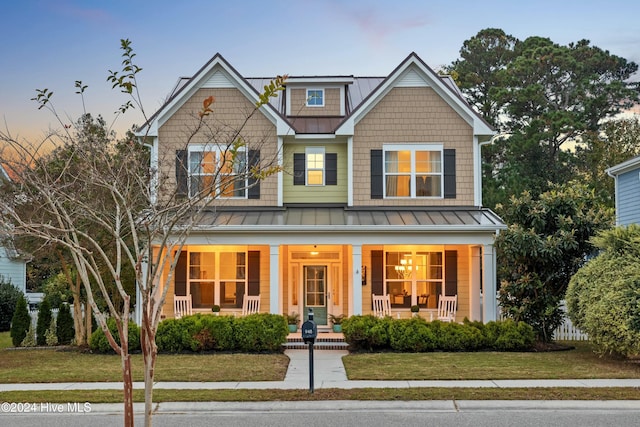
(475,255)
(274,279)
(489,303)
(355,308)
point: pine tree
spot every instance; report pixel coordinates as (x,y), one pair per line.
(50,337)
(65,329)
(20,322)
(44,319)
(29,339)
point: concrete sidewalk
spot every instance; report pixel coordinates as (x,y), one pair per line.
(329,373)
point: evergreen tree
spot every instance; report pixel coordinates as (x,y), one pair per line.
(9,296)
(50,336)
(44,319)
(65,329)
(20,322)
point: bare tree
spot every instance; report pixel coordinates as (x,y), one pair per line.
(110,211)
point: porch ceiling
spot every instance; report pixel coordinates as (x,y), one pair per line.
(461,219)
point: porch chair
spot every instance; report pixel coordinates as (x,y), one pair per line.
(447,307)
(182,306)
(381,305)
(250,305)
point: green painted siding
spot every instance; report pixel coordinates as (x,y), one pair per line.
(315,194)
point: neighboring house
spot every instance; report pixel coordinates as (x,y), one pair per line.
(13,266)
(627,191)
(380,194)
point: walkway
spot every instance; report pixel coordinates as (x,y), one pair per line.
(329,373)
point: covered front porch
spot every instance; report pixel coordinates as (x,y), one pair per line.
(336,268)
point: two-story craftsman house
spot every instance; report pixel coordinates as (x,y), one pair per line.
(379,193)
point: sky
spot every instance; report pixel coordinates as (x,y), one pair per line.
(52,43)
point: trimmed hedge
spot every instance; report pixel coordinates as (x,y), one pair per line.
(99,343)
(417,335)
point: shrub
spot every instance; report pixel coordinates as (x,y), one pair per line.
(30,337)
(65,329)
(44,320)
(221,330)
(9,296)
(603,297)
(57,291)
(367,332)
(99,343)
(411,335)
(21,321)
(508,335)
(261,332)
(50,336)
(172,337)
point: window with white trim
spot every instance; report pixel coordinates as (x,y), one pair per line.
(315,165)
(414,278)
(315,97)
(413,170)
(217,278)
(221,173)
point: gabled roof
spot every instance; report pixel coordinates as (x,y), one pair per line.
(364,93)
(411,71)
(626,166)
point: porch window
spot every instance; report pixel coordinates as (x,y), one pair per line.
(413,171)
(217,172)
(414,278)
(221,274)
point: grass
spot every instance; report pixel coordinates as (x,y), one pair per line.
(20,366)
(579,363)
(5,340)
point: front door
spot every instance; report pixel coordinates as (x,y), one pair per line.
(315,292)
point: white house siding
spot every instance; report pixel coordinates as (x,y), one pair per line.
(629,197)
(13,270)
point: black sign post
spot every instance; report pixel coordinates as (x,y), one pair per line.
(309,334)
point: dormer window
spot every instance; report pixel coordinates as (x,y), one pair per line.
(315,97)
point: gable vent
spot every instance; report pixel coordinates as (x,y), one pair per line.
(218,80)
(411,79)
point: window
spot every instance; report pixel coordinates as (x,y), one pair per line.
(414,278)
(227,281)
(413,171)
(315,97)
(315,165)
(217,172)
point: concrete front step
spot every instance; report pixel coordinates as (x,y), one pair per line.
(324,341)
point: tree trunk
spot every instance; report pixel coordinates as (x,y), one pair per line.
(128,386)
(149,353)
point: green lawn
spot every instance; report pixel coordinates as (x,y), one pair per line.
(5,340)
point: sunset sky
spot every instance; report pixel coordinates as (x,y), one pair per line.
(52,43)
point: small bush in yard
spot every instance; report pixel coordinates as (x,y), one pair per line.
(30,338)
(173,337)
(9,296)
(50,336)
(221,330)
(261,332)
(411,335)
(99,343)
(508,335)
(20,322)
(43,322)
(65,329)
(367,332)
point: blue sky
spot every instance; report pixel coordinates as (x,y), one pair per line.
(52,43)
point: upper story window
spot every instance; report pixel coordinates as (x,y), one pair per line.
(315,97)
(315,165)
(413,170)
(217,171)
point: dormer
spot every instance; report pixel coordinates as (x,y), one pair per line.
(316,96)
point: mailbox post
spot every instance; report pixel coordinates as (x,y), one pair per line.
(309,334)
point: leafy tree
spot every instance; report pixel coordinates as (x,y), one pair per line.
(603,297)
(547,241)
(100,205)
(545,97)
(21,321)
(43,322)
(9,296)
(64,327)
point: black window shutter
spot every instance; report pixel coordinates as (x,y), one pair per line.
(449,174)
(253,273)
(331,160)
(376,174)
(377,273)
(182,173)
(180,275)
(298,169)
(451,272)
(254,183)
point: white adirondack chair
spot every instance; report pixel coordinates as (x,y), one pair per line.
(447,307)
(250,305)
(182,306)
(381,305)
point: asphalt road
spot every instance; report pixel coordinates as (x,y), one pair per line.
(370,414)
